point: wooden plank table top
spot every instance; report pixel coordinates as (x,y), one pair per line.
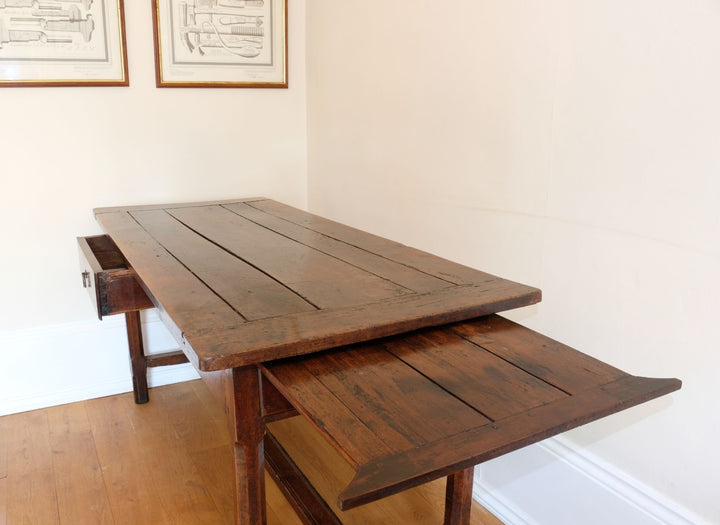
(245,281)
(391,352)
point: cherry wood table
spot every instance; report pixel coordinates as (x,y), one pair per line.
(392,353)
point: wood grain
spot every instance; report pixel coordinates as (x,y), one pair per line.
(403,408)
(249,291)
(186,301)
(4,436)
(138,361)
(537,354)
(458,497)
(328,472)
(142,451)
(323,280)
(79,482)
(112,286)
(445,399)
(3,501)
(278,337)
(399,253)
(247,430)
(31,492)
(390,475)
(368,261)
(129,464)
(307,502)
(238,283)
(349,435)
(496,387)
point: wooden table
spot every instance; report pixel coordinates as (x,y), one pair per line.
(251,288)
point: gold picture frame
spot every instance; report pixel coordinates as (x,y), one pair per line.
(62,43)
(220,43)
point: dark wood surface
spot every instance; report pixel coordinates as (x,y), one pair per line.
(111,284)
(308,504)
(241,282)
(458,497)
(395,355)
(408,409)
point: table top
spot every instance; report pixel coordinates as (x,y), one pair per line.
(244,281)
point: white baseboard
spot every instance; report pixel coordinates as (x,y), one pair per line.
(556,483)
(58,364)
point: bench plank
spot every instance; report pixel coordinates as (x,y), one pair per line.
(247,290)
(394,251)
(391,398)
(491,385)
(310,397)
(324,281)
(553,362)
(392,474)
(377,265)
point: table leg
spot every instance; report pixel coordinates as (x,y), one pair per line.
(137,356)
(248,430)
(458,497)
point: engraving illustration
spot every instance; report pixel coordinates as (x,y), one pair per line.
(62,42)
(221,31)
(52,30)
(221,43)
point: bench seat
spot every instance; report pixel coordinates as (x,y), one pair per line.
(412,408)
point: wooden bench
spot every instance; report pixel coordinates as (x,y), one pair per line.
(413,408)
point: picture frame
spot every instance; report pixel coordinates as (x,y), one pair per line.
(220,43)
(62,43)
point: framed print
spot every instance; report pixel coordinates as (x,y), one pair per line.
(220,43)
(62,43)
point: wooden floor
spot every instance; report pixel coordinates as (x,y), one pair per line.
(109,461)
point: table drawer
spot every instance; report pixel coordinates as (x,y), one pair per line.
(106,275)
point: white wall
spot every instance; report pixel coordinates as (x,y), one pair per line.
(569,144)
(65,151)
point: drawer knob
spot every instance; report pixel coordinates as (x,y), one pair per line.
(87,282)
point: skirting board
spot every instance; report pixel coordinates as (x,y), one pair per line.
(555,482)
(58,364)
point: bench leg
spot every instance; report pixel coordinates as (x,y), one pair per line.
(458,497)
(247,428)
(137,356)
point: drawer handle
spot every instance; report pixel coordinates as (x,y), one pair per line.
(87,282)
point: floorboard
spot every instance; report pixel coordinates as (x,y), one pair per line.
(30,478)
(110,461)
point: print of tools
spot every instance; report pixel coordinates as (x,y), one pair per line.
(235,4)
(48,4)
(241,20)
(8,36)
(18,3)
(68,21)
(209,28)
(39,15)
(192,36)
(248,51)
